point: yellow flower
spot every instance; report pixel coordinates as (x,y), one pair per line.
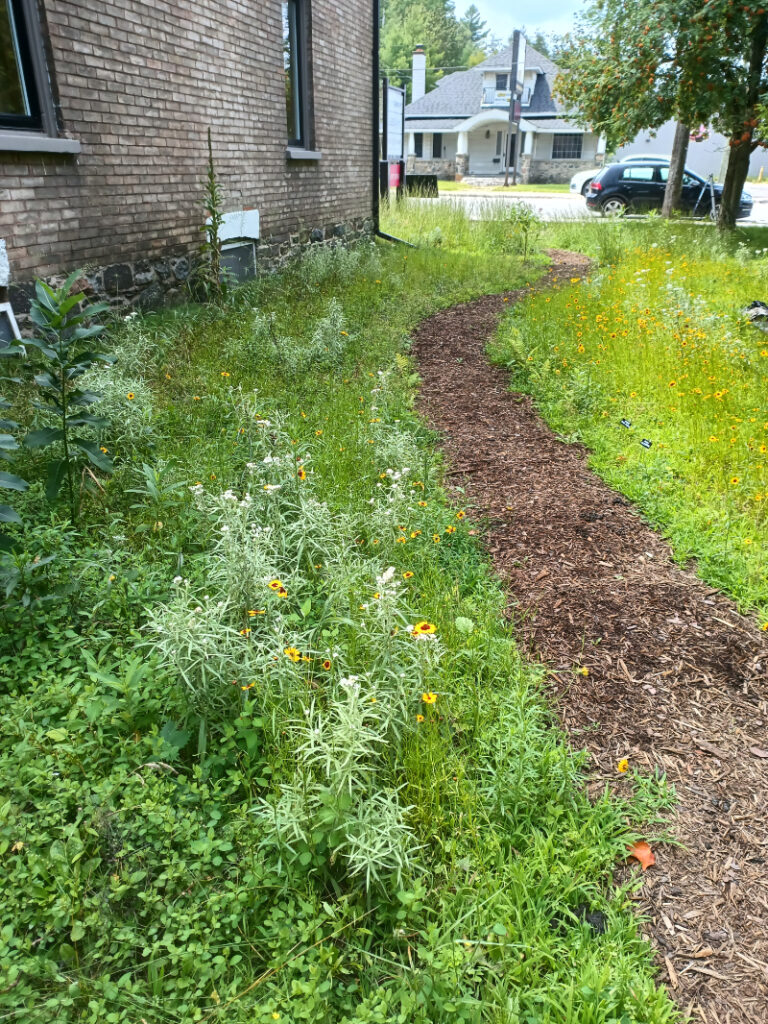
(419,718)
(130,396)
(302,474)
(327,664)
(245,632)
(344,334)
(450,529)
(407,575)
(318,433)
(582,671)
(293,654)
(275,585)
(103,449)
(415,533)
(622,766)
(460,514)
(429,698)
(112,578)
(734,480)
(436,538)
(275,1016)
(401,540)
(747,540)
(423,629)
(195,398)
(252,612)
(422,504)
(225,373)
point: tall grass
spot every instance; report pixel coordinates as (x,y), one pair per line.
(657,336)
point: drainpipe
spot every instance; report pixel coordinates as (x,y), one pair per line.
(376,145)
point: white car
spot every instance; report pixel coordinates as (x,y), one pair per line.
(581,180)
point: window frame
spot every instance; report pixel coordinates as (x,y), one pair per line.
(303,146)
(570,137)
(39,131)
(504,80)
(418,145)
(437,144)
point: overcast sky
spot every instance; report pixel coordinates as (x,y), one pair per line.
(502,16)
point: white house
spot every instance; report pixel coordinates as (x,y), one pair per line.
(461,126)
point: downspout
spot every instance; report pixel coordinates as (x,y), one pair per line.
(376,146)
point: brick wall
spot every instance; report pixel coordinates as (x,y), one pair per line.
(138,83)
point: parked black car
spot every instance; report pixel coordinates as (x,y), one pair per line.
(640,186)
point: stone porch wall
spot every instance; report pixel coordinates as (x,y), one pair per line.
(444,169)
(541,172)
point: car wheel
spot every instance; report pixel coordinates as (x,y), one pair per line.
(613,207)
(585,187)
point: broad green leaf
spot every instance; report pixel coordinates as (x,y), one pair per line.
(12,482)
(7,515)
(463,624)
(8,442)
(41,438)
(94,453)
(55,477)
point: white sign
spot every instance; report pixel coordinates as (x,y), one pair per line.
(395,106)
(520,63)
(238,224)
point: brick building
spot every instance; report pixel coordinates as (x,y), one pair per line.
(104,113)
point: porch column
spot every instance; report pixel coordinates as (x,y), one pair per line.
(462,153)
(528,144)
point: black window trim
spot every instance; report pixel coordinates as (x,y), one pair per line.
(38,133)
(560,137)
(418,145)
(304,147)
(437,144)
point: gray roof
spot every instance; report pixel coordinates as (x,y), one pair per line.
(552,123)
(433,124)
(460,95)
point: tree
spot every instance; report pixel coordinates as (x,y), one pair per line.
(478,30)
(632,63)
(432,23)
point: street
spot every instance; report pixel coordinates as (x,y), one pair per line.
(562,206)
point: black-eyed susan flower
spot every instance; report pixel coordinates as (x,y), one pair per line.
(419,719)
(460,514)
(450,529)
(293,654)
(103,449)
(130,396)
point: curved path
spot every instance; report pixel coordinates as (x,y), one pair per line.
(678,680)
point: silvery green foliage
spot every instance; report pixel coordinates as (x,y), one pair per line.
(341,739)
(321,262)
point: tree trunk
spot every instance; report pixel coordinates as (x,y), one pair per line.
(673,191)
(741,137)
(735,176)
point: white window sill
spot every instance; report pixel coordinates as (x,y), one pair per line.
(31,142)
(297,153)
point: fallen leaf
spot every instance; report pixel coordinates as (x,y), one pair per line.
(671,972)
(758,751)
(643,854)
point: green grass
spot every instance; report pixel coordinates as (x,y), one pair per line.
(656,336)
(460,186)
(301,845)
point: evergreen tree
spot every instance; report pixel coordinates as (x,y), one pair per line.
(478,30)
(431,23)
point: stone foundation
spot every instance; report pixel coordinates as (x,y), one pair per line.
(158,283)
(446,170)
(541,172)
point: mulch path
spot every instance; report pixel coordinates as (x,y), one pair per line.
(678,679)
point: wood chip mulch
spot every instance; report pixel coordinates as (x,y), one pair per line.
(678,679)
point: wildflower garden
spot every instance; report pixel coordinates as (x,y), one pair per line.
(270,750)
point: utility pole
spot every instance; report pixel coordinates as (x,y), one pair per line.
(518,58)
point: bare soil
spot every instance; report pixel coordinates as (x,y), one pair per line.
(677,678)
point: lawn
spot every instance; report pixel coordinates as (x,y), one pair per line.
(269,749)
(460,186)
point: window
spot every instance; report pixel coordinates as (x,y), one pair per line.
(688,179)
(418,144)
(637,173)
(499,143)
(27,116)
(567,147)
(298,113)
(19,105)
(437,145)
(501,83)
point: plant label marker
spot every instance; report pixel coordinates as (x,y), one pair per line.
(626,423)
(646,443)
